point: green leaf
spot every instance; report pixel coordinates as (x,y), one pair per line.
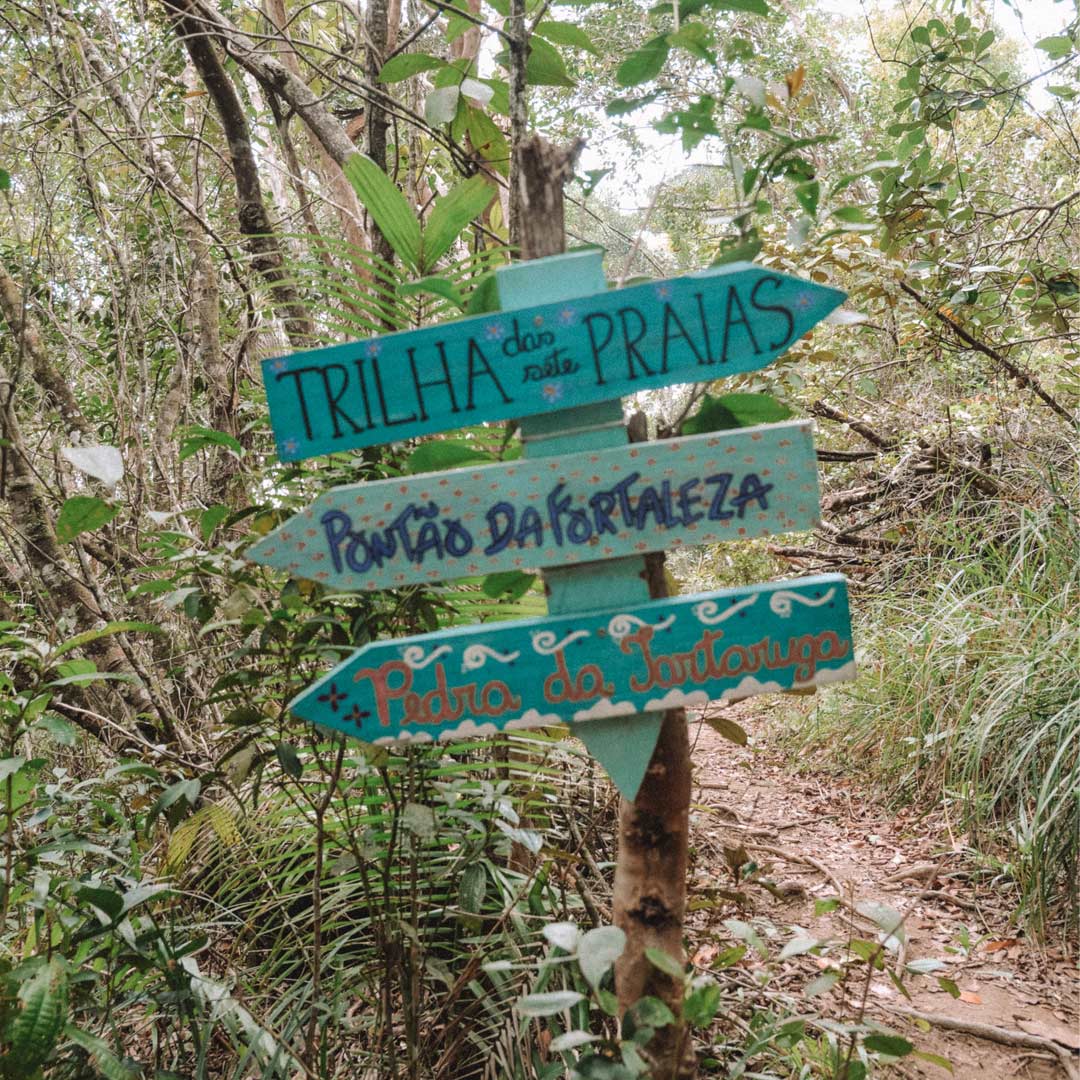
(123,627)
(571,1041)
(652,1012)
(5,180)
(798,946)
(563,935)
(452,213)
(10,766)
(437,286)
(485,296)
(406,65)
(198,438)
(925,966)
(598,950)
(920,35)
(752,7)
(745,932)
(387,206)
(289,760)
(42,1013)
(823,907)
(809,194)
(1056,48)
(107,901)
(934,1059)
(892,1045)
(825,981)
(728,729)
(701,1005)
(735,411)
(666,963)
(986,39)
(488,140)
(441,105)
(104,1060)
(438,454)
(545,66)
(473,887)
(510,585)
(565,33)
(82,513)
(949,986)
(744,252)
(548,1004)
(622,106)
(645,63)
(58,729)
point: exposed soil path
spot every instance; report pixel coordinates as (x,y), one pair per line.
(755,797)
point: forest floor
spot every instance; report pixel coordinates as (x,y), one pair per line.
(783,813)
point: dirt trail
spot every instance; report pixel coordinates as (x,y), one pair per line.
(754,796)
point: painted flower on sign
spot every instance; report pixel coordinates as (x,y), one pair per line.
(373,349)
(663,291)
(279,364)
(290,446)
(567,316)
(493,331)
(552,392)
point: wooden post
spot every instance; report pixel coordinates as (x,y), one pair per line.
(650,874)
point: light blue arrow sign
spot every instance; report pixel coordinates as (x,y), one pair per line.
(590,667)
(533,360)
(559,511)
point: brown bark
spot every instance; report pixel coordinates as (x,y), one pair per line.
(519,117)
(649,893)
(62,590)
(261,240)
(377,33)
(331,145)
(25,330)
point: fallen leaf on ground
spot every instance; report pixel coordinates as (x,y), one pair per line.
(970,997)
(1000,943)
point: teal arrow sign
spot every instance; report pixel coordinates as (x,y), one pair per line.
(590,667)
(533,360)
(557,511)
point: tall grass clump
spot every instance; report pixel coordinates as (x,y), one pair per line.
(969,691)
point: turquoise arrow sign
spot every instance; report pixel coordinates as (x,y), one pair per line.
(589,667)
(534,360)
(558,511)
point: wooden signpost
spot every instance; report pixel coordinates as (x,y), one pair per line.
(558,356)
(548,357)
(577,669)
(561,511)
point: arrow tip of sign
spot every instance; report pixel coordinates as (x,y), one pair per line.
(624,745)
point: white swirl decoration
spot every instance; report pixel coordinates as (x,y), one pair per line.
(621,625)
(475,656)
(783,600)
(710,613)
(547,642)
(414,656)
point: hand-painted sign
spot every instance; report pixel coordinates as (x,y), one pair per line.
(557,511)
(586,667)
(704,326)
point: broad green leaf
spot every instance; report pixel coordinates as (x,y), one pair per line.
(289,760)
(920,35)
(109,628)
(825,981)
(406,65)
(488,140)
(701,1005)
(893,1045)
(419,820)
(545,66)
(198,438)
(484,297)
(58,729)
(934,1059)
(82,513)
(565,33)
(10,766)
(109,902)
(104,1060)
(735,411)
(562,935)
(1056,47)
(548,1004)
(571,1041)
(728,729)
(437,286)
(473,887)
(40,1017)
(666,963)
(441,105)
(744,252)
(438,454)
(745,932)
(752,7)
(5,180)
(644,63)
(452,213)
(798,946)
(598,950)
(387,206)
(652,1012)
(508,585)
